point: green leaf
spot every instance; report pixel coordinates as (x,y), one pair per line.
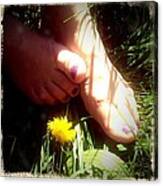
(121,148)
(101,159)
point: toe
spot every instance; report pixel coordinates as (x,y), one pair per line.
(56,92)
(42,97)
(65,83)
(117,124)
(34,97)
(72,65)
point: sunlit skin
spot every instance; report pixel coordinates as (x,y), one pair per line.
(42,68)
(106,95)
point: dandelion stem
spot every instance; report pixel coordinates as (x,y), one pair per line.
(74,157)
(67,109)
(61,160)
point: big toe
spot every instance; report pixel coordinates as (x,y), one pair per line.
(119,125)
(71,64)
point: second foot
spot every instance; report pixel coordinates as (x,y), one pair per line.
(106,95)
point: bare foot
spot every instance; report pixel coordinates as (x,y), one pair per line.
(106,95)
(45,70)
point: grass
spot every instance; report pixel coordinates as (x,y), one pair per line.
(81,159)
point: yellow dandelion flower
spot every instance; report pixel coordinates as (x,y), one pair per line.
(61,130)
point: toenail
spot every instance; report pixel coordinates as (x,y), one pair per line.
(126,130)
(75,91)
(73,71)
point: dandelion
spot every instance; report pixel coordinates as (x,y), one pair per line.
(61,130)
